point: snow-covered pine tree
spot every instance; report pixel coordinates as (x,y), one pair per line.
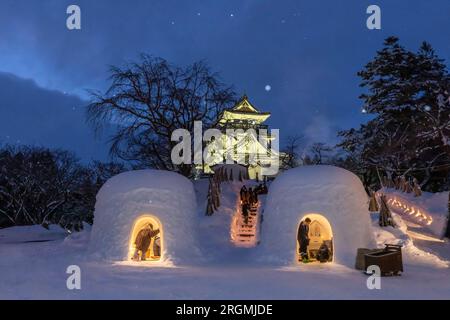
(407,95)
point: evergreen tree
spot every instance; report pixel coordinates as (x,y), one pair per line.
(407,97)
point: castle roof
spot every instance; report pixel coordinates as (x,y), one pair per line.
(245,111)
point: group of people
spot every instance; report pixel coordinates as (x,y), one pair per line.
(322,255)
(249,198)
(261,188)
(142,243)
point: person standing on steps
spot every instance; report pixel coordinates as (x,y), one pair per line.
(255,197)
(243,193)
(250,196)
(303,239)
(245,212)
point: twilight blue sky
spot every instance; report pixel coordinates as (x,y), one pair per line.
(307,51)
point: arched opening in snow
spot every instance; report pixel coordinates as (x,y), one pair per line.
(320,247)
(146,239)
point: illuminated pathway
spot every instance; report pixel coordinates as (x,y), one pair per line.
(245,234)
(408,210)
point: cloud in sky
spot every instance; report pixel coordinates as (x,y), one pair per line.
(37,116)
(308,51)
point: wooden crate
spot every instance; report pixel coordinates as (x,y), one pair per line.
(389,260)
(360,259)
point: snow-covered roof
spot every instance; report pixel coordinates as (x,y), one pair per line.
(335,193)
(164,196)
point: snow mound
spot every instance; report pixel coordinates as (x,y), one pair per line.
(33,233)
(165,197)
(334,193)
(411,253)
(79,239)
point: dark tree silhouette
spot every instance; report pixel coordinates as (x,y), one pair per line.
(149,99)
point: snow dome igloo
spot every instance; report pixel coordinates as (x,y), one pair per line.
(331,197)
(130,201)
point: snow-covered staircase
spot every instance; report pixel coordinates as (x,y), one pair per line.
(245,233)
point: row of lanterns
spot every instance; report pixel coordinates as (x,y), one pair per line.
(410,210)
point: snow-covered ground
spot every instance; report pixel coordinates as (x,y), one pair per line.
(33,263)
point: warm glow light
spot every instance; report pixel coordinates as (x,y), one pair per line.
(138,226)
(326,233)
(405,207)
(236,229)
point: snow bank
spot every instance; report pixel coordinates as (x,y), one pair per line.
(332,192)
(411,253)
(33,233)
(79,239)
(166,197)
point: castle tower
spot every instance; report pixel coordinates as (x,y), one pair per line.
(247,146)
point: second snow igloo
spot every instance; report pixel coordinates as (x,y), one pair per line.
(334,200)
(161,202)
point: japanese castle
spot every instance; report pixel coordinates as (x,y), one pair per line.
(249,146)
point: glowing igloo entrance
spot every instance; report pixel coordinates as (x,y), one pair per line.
(320,235)
(146,239)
